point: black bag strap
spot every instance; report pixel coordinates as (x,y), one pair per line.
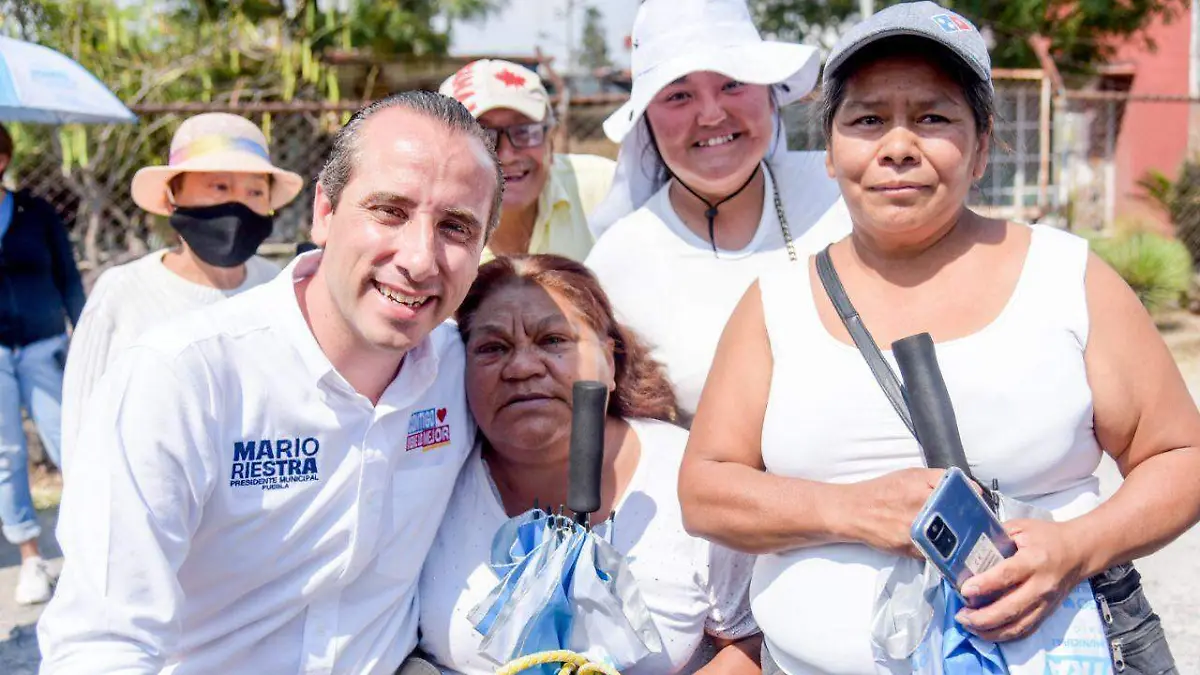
(883,372)
(884,375)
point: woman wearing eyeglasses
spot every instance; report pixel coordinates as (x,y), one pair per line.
(547,196)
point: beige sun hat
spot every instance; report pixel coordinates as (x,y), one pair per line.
(214,142)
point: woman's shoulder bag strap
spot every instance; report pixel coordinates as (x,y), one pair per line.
(862,338)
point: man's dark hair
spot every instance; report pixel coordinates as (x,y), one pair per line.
(344,156)
(976,91)
(6,149)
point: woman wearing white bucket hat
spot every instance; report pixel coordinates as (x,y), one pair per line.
(219,191)
(706,195)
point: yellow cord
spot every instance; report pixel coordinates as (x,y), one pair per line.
(573,664)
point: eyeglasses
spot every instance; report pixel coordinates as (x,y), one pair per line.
(519,135)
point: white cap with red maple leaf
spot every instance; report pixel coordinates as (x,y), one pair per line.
(488,84)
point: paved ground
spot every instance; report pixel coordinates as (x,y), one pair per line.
(18,640)
(1171,576)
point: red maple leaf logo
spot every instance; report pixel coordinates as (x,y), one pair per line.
(510,78)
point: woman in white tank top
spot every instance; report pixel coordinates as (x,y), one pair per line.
(796,453)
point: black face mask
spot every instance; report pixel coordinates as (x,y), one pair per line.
(224,235)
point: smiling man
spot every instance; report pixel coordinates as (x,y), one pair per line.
(268,473)
(547,196)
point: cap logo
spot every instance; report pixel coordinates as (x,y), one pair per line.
(511,79)
(952,23)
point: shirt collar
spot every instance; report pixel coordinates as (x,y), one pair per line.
(554,194)
(420,363)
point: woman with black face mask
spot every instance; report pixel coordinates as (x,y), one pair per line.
(219,192)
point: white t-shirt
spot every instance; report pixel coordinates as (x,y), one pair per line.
(688,584)
(1024,409)
(126,301)
(243,510)
(667,285)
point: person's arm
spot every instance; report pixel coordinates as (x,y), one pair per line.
(127,520)
(91,344)
(1146,419)
(735,657)
(730,623)
(728,497)
(66,273)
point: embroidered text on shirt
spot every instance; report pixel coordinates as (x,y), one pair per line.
(274,465)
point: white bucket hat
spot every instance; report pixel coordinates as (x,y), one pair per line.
(214,142)
(674,38)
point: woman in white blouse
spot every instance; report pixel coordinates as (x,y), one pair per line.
(219,192)
(533,326)
(707,196)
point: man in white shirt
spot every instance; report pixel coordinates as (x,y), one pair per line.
(268,473)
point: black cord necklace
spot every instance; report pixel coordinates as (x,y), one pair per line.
(711,213)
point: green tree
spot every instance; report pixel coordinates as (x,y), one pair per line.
(595,46)
(1082,33)
(214,51)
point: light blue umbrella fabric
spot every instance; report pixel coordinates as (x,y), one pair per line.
(40,85)
(562,587)
(964,653)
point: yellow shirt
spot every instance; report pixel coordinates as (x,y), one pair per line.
(577,185)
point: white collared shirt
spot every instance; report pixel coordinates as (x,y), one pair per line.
(241,509)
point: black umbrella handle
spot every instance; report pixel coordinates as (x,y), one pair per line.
(929,403)
(589,405)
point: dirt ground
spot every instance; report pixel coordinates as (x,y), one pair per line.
(1171,576)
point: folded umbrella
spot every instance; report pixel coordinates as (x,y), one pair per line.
(562,583)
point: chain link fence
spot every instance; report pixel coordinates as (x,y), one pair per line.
(86,172)
(1055,159)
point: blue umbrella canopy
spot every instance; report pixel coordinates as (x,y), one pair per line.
(562,586)
(40,85)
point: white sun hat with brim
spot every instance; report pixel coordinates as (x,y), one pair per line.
(217,143)
(674,38)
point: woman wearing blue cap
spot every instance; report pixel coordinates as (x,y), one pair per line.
(796,452)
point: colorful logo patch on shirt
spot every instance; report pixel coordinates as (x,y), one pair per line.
(952,23)
(427,430)
(274,464)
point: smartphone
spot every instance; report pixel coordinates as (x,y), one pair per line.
(959,534)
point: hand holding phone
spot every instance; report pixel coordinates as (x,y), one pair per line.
(959,534)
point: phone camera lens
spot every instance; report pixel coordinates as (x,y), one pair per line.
(941,537)
(935,528)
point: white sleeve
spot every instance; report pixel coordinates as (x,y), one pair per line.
(87,358)
(128,518)
(729,572)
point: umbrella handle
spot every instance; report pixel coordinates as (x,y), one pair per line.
(589,403)
(573,664)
